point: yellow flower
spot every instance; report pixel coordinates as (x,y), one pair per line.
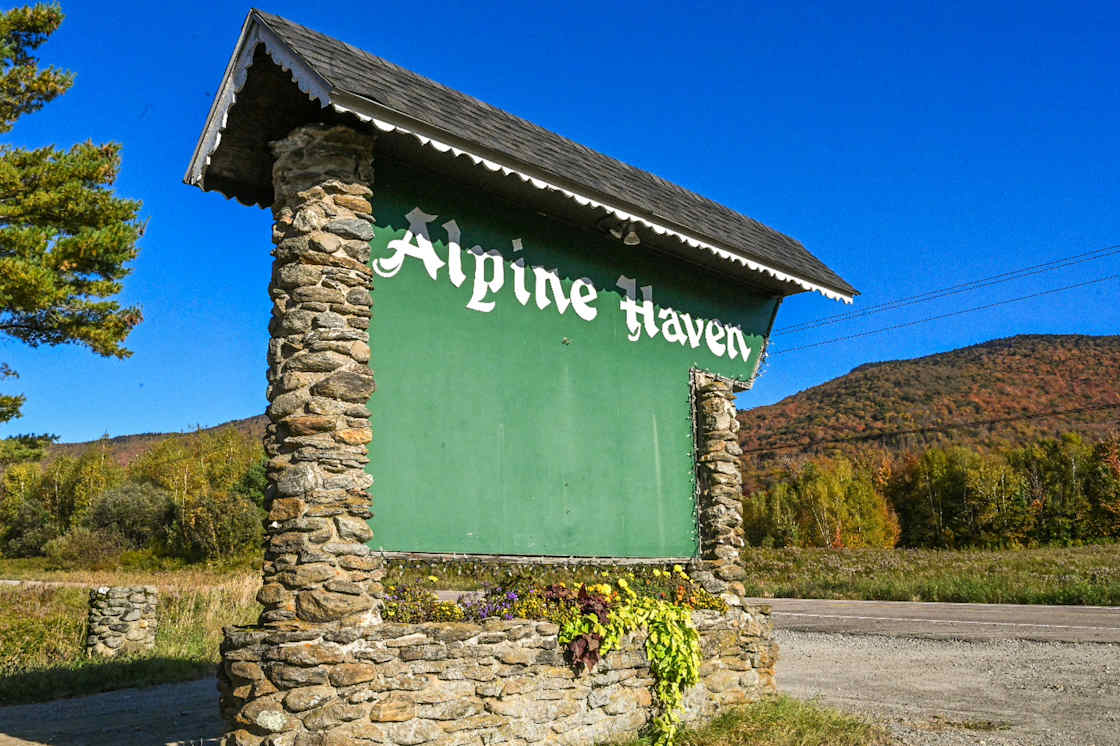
(433,578)
(678,569)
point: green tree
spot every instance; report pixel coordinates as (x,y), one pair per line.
(824,502)
(65,239)
(1055,470)
(1103,488)
(18,449)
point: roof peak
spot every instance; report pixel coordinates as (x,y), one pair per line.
(343,79)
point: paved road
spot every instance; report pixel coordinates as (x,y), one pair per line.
(172,714)
(939,621)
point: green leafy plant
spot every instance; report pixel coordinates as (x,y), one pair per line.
(672,643)
(593,617)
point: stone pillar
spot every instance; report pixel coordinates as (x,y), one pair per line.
(318,570)
(720,484)
(121,620)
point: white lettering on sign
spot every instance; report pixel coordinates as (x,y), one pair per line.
(642,318)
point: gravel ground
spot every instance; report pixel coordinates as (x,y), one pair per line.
(950,692)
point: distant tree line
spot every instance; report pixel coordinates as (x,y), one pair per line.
(1057,491)
(196,497)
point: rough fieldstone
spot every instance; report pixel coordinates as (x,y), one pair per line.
(346,385)
(393,709)
(351,228)
(324,606)
(352,529)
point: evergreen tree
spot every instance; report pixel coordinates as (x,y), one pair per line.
(64,237)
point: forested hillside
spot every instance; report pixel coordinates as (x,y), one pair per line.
(125,448)
(880,457)
(1007,381)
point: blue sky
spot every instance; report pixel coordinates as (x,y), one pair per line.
(911,146)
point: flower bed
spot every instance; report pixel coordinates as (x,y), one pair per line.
(598,662)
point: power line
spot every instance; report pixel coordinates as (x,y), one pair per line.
(947,315)
(934,428)
(965,287)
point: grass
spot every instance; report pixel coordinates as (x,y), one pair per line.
(1087,575)
(42,628)
(172,573)
(783,721)
(42,634)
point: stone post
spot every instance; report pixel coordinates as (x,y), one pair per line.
(720,484)
(121,620)
(318,570)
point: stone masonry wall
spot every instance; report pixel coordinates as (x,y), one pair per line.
(318,569)
(320,669)
(720,485)
(449,684)
(121,620)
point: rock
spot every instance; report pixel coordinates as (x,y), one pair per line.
(348,385)
(324,606)
(309,424)
(347,674)
(351,228)
(286,509)
(298,480)
(351,202)
(393,709)
(451,710)
(354,436)
(333,714)
(305,698)
(352,529)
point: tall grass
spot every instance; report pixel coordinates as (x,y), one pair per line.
(783,721)
(1052,575)
(42,635)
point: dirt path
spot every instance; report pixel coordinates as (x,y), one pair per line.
(179,714)
(949,692)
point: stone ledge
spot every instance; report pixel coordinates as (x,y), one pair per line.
(444,683)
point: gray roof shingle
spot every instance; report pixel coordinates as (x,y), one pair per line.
(350,70)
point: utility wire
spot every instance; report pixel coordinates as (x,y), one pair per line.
(934,428)
(928,319)
(965,287)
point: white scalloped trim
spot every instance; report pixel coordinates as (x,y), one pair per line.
(584,200)
(317,89)
(237,72)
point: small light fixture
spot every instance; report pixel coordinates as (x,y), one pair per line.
(616,231)
(631,238)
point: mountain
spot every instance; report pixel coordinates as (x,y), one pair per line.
(1001,386)
(124,448)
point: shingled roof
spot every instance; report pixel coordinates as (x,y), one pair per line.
(343,80)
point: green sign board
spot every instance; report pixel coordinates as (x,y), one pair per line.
(533,379)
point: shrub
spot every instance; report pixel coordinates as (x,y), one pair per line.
(215,526)
(28,530)
(95,549)
(139,514)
